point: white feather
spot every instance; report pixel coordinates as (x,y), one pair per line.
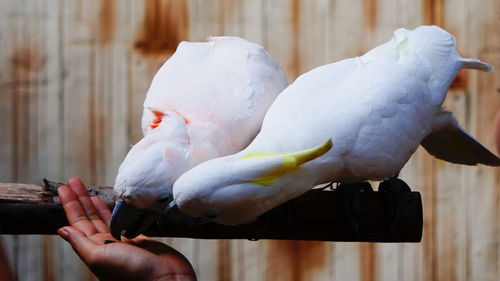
(211,98)
(377,109)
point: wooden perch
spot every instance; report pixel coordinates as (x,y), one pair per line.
(316,215)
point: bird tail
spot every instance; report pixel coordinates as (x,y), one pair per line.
(453,144)
(478,65)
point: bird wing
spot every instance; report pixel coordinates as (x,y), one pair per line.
(452,143)
(227,82)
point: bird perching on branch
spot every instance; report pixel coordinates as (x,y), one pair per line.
(355,120)
(206,101)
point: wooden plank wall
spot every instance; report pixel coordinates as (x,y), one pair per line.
(73,75)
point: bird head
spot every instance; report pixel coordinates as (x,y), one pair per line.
(238,188)
(145,178)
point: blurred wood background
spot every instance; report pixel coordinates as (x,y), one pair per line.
(73,75)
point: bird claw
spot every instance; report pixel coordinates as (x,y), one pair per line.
(390,190)
(351,197)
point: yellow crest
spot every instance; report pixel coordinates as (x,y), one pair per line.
(290,161)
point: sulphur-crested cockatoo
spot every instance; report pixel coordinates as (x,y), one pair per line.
(355,120)
(208,100)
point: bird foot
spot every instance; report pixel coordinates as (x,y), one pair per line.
(351,194)
(390,190)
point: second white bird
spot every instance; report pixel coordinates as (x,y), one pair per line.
(355,120)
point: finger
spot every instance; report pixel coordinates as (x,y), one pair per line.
(82,245)
(83,197)
(74,211)
(102,209)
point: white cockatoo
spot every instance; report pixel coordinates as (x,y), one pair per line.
(208,100)
(355,120)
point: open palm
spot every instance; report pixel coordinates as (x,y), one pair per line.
(141,258)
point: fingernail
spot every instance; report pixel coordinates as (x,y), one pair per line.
(63,233)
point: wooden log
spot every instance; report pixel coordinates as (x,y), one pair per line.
(316,215)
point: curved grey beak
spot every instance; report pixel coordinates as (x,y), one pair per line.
(130,221)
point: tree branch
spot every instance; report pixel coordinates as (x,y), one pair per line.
(316,215)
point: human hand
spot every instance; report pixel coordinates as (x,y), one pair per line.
(140,258)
